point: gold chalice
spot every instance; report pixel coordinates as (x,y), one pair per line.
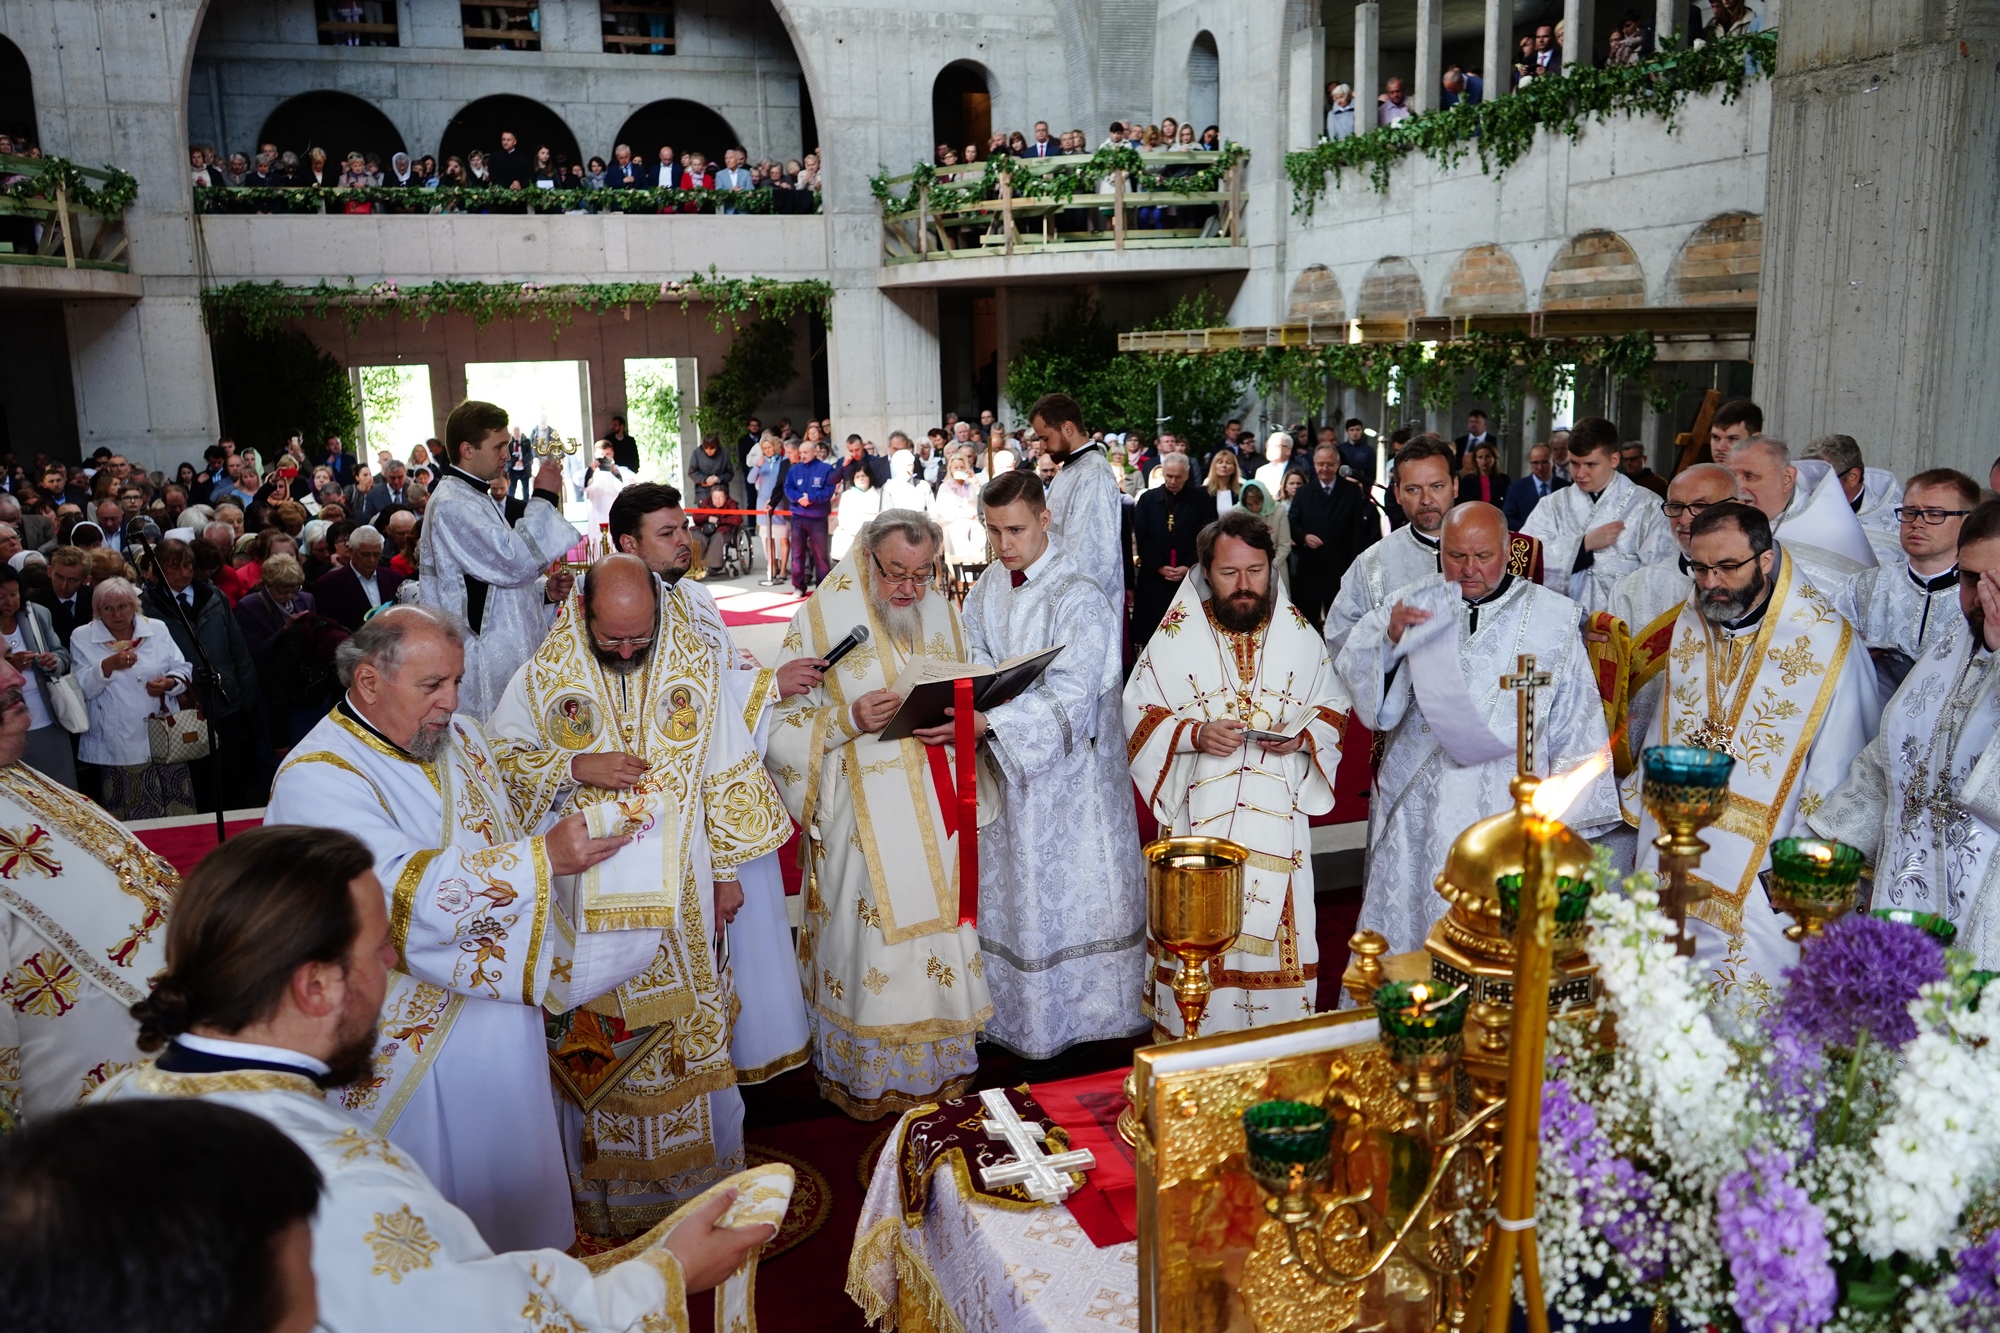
(1814,880)
(1685,789)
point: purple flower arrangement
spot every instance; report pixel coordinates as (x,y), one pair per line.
(1621,1202)
(1859,977)
(1775,1240)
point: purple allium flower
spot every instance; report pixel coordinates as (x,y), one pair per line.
(1979,1275)
(1619,1201)
(1860,976)
(1779,1261)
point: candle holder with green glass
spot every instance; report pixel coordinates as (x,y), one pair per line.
(1814,880)
(1685,790)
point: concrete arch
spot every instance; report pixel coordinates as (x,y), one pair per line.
(1204,82)
(1485,280)
(1720,263)
(679,124)
(478,124)
(337,122)
(962,105)
(1392,289)
(17,95)
(1597,270)
(1316,298)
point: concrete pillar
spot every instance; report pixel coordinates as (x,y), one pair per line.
(1367,63)
(1497,56)
(1577,35)
(1430,55)
(1879,303)
(1308,88)
(1668,15)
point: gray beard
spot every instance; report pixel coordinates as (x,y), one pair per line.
(426,746)
(902,623)
(1738,605)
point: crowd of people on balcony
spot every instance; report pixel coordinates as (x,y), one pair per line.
(793,186)
(1170,135)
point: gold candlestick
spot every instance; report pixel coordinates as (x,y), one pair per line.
(1685,790)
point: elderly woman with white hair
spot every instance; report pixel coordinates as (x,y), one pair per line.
(129,667)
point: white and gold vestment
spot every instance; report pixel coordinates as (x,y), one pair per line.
(1274,678)
(896,987)
(83,909)
(648,1097)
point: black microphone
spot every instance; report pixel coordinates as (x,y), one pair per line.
(855,638)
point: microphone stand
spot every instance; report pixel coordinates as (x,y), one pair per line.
(205,673)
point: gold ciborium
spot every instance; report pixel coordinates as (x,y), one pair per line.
(1814,880)
(1685,789)
(1194,911)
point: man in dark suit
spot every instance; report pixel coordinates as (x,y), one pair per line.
(510,167)
(350,592)
(1042,146)
(1475,435)
(1333,520)
(337,460)
(1164,524)
(1531,490)
(1548,57)
(666,175)
(66,598)
(626,174)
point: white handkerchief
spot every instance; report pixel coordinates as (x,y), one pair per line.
(627,890)
(1431,652)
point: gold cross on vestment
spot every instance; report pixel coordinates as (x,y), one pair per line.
(1524,682)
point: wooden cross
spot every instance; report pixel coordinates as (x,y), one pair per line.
(1524,682)
(1045,1176)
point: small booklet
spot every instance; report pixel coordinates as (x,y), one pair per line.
(1279,737)
(928,687)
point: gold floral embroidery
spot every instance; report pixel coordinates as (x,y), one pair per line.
(44,986)
(832,984)
(977,967)
(544,1313)
(937,970)
(27,851)
(401,1242)
(866,911)
(353,1145)
(839,583)
(1810,802)
(1797,661)
(102,1073)
(875,980)
(1684,651)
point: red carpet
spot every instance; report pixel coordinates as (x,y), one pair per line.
(185,845)
(755,605)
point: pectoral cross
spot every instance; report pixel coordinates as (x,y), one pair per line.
(1044,1176)
(1524,682)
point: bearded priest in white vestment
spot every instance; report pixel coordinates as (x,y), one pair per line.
(1233,653)
(1425,489)
(895,983)
(1923,797)
(1452,725)
(1086,507)
(1062,896)
(460,1074)
(1761,666)
(491,575)
(1906,606)
(1603,527)
(83,906)
(290,913)
(622,713)
(771,1034)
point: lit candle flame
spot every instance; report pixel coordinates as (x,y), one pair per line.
(1556,794)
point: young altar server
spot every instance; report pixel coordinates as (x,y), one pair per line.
(278,958)
(1232,655)
(1602,527)
(1062,896)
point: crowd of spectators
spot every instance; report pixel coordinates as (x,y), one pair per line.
(792,186)
(1170,135)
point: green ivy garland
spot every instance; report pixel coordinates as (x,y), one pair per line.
(1502,129)
(39,177)
(262,309)
(1059,184)
(1502,367)
(470,199)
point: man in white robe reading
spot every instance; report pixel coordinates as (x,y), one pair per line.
(1764,667)
(894,979)
(493,577)
(1437,691)
(1873,493)
(83,907)
(1233,656)
(1086,507)
(1426,490)
(1808,510)
(273,991)
(1907,605)
(622,714)
(460,1072)
(1603,527)
(1065,952)
(1923,797)
(771,1034)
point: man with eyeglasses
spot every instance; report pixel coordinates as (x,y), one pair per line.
(896,983)
(1922,796)
(1603,527)
(623,715)
(1807,509)
(1903,610)
(1763,667)
(1873,493)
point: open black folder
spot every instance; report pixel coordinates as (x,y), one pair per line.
(928,686)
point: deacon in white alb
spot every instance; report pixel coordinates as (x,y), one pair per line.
(1873,493)
(1233,654)
(460,1078)
(1425,489)
(1923,798)
(1452,724)
(1086,507)
(1908,605)
(492,577)
(277,970)
(1065,951)
(1761,666)
(1603,527)
(83,906)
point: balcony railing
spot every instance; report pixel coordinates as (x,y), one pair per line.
(494,199)
(63,215)
(638,29)
(1118,199)
(502,25)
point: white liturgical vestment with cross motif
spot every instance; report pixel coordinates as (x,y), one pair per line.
(1565,517)
(1399,559)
